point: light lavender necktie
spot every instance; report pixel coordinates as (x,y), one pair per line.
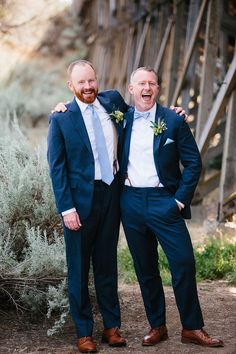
(103,157)
(138,115)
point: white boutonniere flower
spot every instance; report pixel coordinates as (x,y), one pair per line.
(159,127)
(118,116)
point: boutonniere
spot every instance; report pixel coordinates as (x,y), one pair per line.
(117,115)
(159,127)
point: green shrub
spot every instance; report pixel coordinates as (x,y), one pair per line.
(126,267)
(57,303)
(232,276)
(214,260)
(26,197)
(32,254)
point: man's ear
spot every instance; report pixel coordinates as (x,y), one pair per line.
(69,84)
(131,89)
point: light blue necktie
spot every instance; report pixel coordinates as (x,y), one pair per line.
(103,157)
(138,115)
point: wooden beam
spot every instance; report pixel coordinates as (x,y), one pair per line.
(115,56)
(228,170)
(228,24)
(209,185)
(218,106)
(190,52)
(208,71)
(163,45)
(124,63)
(174,50)
(190,79)
(141,42)
(214,152)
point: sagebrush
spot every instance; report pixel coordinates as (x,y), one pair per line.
(31,237)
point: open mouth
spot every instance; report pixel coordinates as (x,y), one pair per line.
(146,96)
(88,92)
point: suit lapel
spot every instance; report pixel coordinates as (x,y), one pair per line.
(158,138)
(106,103)
(78,124)
(129,117)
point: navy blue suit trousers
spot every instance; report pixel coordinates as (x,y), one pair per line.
(151,216)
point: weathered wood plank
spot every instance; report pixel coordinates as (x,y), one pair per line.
(208,71)
(209,184)
(218,107)
(163,45)
(228,170)
(121,83)
(190,79)
(190,52)
(141,42)
(174,50)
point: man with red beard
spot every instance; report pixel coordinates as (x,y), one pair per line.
(82,155)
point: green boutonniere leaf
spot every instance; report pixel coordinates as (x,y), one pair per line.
(118,116)
(159,127)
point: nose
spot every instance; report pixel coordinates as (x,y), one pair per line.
(147,85)
(87,84)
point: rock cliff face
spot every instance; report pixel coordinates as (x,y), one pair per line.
(38,40)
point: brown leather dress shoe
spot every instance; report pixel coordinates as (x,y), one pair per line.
(86,345)
(200,337)
(155,336)
(113,338)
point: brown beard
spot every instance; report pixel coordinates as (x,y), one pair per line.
(80,96)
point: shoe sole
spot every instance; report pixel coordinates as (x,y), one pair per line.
(192,341)
(122,344)
(165,337)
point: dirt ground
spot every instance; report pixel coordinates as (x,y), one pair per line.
(18,335)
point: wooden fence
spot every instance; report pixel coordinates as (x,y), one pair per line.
(191,44)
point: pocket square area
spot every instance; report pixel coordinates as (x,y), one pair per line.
(168,141)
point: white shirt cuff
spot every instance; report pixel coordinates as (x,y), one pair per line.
(66,212)
(180,204)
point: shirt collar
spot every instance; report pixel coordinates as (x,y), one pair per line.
(152,111)
(83,106)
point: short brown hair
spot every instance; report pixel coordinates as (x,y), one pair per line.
(145,68)
(78,62)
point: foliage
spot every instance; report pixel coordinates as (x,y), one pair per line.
(41,257)
(31,244)
(57,302)
(214,260)
(32,92)
(232,275)
(126,266)
(25,190)
(32,83)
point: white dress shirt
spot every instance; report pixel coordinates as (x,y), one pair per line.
(141,166)
(109,133)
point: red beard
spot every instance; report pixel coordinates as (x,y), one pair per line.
(84,97)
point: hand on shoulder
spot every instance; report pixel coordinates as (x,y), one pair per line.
(180,111)
(60,107)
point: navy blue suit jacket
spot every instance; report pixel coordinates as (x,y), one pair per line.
(181,147)
(70,155)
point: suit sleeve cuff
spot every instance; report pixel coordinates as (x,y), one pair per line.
(66,212)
